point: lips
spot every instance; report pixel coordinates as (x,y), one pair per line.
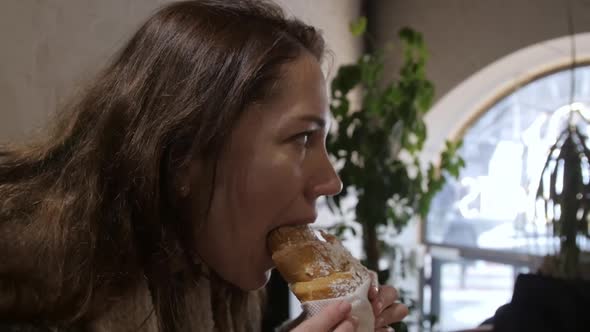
(294,222)
(310,219)
(304,220)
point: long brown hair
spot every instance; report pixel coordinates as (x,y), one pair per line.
(91,209)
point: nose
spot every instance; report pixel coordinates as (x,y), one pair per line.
(324,181)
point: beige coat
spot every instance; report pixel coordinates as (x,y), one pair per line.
(129,313)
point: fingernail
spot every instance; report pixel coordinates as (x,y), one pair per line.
(355,321)
(375,289)
(390,329)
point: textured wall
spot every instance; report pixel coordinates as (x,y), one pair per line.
(464,36)
(49,47)
(332,17)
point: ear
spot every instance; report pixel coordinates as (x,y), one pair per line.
(183,191)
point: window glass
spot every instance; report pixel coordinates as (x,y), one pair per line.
(491,205)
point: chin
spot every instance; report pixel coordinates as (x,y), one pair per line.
(266,278)
(256,282)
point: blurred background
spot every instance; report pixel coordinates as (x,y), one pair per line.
(503,83)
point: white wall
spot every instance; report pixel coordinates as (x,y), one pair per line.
(49,47)
(332,18)
(452,113)
(464,36)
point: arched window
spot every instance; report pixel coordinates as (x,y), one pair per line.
(491,205)
(480,232)
(482,228)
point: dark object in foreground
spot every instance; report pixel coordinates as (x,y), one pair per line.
(540,303)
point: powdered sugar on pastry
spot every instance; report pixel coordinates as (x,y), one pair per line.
(316,267)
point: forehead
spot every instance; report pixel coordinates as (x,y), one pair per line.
(263,124)
(301,94)
(301,89)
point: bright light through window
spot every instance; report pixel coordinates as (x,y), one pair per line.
(492,205)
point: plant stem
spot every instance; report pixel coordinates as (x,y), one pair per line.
(371,245)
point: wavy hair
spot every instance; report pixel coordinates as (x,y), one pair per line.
(92,209)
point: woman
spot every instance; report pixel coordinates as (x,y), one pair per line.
(148,206)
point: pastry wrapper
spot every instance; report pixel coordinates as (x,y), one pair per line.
(361,307)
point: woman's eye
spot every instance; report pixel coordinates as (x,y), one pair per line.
(303,138)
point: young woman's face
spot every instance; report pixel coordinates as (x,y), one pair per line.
(271,174)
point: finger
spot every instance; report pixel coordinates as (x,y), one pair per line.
(392,314)
(349,325)
(387,296)
(374,289)
(385,329)
(377,305)
(373,293)
(329,317)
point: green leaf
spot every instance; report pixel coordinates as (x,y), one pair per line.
(367,142)
(408,35)
(340,108)
(358,27)
(347,77)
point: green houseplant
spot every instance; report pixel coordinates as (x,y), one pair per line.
(377,145)
(565,168)
(563,199)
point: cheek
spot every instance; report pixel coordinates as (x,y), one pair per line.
(251,201)
(274,183)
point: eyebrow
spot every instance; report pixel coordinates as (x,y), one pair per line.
(315,119)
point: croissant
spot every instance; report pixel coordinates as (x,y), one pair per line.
(316,267)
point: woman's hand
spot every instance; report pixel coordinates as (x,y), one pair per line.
(385,308)
(335,317)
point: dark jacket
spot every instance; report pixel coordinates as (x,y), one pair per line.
(545,304)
